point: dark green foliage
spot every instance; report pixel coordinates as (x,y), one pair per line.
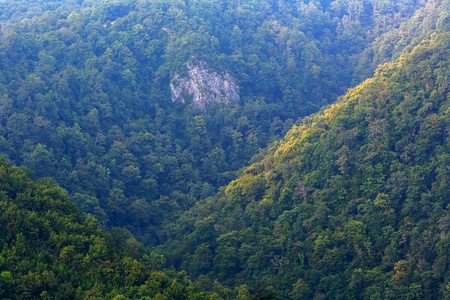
(352,204)
(48,250)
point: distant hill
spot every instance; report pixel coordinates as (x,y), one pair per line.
(390,45)
(354,203)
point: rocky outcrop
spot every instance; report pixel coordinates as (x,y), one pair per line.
(205,86)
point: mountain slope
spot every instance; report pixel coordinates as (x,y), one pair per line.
(353,203)
(49,251)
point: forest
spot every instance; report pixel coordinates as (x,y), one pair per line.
(325,176)
(50,251)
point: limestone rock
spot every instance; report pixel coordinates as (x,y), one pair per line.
(205,86)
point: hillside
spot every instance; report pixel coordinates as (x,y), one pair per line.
(352,204)
(104,97)
(49,251)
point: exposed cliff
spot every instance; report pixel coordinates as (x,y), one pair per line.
(205,86)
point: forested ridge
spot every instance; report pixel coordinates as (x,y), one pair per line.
(352,203)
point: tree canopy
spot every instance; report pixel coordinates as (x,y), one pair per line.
(49,250)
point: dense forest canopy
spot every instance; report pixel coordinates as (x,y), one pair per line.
(49,251)
(103,96)
(85,97)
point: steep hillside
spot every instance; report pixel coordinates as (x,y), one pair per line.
(354,203)
(49,251)
(86,97)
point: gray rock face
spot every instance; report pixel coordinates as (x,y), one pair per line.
(204,86)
